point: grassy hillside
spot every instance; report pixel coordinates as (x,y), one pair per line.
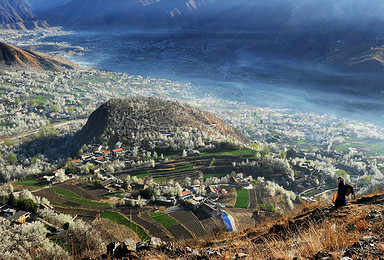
(311,232)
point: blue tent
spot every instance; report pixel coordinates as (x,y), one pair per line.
(227,223)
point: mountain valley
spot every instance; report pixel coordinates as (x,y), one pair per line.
(192,129)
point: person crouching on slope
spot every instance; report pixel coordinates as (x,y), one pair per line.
(340,199)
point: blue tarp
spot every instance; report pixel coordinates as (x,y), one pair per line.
(227,223)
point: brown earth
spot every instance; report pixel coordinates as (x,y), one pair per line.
(318,232)
(11,56)
(114,232)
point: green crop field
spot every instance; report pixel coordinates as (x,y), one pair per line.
(242,199)
(163,219)
(370,146)
(246,152)
(31,182)
(121,220)
(70,196)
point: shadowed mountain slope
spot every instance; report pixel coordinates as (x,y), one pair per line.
(18,14)
(12,11)
(11,56)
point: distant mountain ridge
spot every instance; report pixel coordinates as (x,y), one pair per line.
(330,31)
(144,13)
(297,15)
(11,56)
(12,11)
(18,14)
(42,6)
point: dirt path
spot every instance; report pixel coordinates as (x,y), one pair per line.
(34,131)
(252,199)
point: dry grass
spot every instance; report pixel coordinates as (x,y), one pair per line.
(329,236)
(296,235)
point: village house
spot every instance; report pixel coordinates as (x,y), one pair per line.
(20,217)
(162,200)
(211,192)
(76,162)
(111,184)
(186,194)
(48,178)
(211,209)
(192,204)
(44,206)
(7,211)
(95,170)
(193,152)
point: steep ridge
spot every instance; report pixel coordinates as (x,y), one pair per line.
(139,118)
(11,56)
(15,11)
(18,14)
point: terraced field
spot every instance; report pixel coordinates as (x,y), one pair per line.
(161,231)
(77,190)
(242,199)
(189,220)
(211,225)
(75,199)
(179,232)
(122,220)
(178,168)
(143,219)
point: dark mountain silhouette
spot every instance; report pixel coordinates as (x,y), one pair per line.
(11,56)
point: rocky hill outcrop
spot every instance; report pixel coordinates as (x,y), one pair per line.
(139,118)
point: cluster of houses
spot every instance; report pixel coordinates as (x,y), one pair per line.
(18,216)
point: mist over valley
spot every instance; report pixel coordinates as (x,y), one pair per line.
(247,67)
(196,129)
(293,54)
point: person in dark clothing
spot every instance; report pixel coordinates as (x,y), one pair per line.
(340,199)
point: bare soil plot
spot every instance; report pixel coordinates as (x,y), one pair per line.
(96,192)
(189,220)
(51,196)
(77,190)
(85,214)
(114,232)
(211,224)
(179,232)
(244,218)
